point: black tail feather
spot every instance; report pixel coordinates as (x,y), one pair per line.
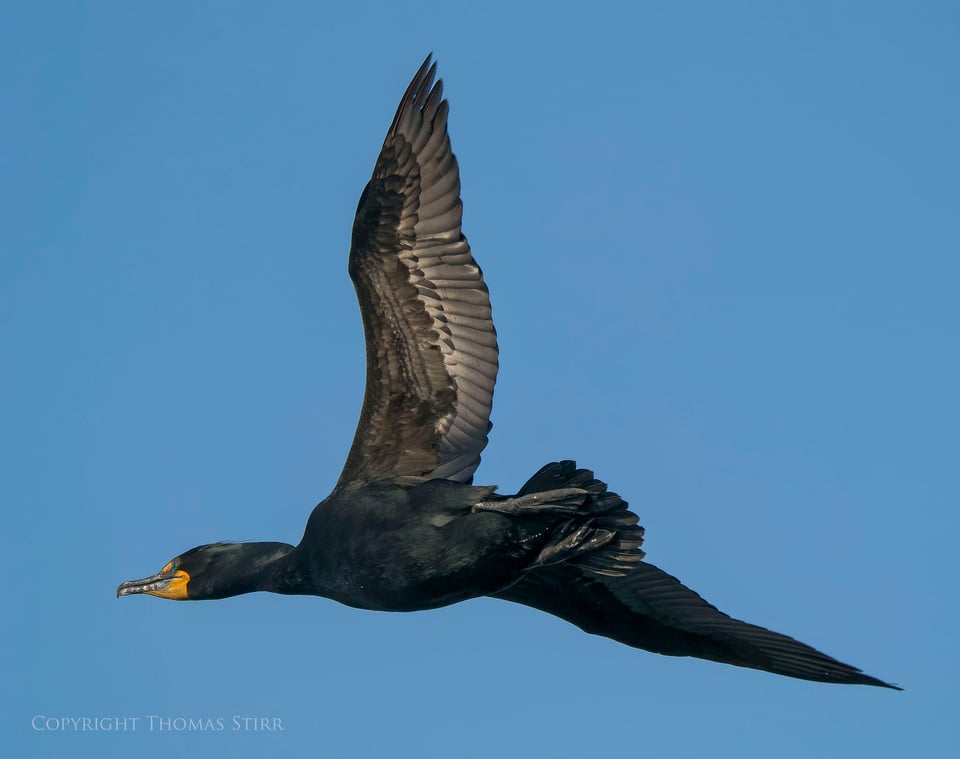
(603,509)
(611,592)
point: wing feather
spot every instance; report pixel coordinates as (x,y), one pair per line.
(650,609)
(432,352)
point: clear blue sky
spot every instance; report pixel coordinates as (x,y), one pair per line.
(722,246)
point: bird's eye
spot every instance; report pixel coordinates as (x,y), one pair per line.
(174,565)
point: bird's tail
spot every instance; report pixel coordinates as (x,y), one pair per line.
(611,592)
(602,510)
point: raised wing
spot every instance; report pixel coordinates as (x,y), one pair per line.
(650,609)
(431,344)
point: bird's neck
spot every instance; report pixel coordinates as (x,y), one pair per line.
(247,568)
(284,573)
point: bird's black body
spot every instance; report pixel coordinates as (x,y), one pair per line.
(409,547)
(426,549)
(405,529)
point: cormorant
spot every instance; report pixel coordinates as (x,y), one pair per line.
(405,529)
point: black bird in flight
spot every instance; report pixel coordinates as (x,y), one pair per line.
(405,529)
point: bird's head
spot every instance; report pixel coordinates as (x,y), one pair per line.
(215,570)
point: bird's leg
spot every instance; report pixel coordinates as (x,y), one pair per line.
(565,542)
(562,501)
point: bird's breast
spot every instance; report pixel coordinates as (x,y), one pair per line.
(382,555)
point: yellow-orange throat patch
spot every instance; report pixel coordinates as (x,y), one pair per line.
(176,590)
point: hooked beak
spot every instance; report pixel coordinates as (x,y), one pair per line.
(167,583)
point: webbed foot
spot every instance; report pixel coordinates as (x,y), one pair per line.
(559,502)
(567,542)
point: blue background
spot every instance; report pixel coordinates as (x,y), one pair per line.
(722,247)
